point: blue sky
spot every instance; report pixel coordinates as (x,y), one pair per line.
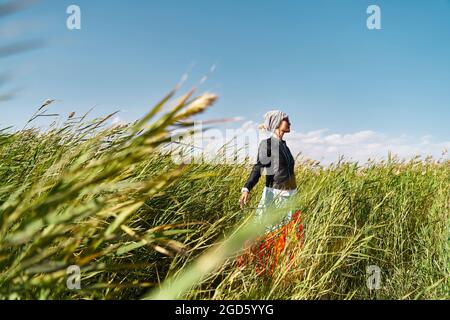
(315,59)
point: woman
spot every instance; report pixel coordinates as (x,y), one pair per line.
(276,159)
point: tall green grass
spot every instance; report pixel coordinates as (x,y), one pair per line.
(139,226)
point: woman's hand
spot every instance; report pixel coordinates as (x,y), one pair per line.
(244,198)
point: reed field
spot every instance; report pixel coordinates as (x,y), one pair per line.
(139,226)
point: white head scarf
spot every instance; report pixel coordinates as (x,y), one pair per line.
(273,119)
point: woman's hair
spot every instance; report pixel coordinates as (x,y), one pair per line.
(272,120)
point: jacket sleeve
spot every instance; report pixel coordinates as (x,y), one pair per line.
(261,163)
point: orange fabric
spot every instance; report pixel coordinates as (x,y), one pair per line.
(265,252)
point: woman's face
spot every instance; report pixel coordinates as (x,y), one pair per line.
(285,126)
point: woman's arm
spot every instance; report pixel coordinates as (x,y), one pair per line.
(263,161)
(254,176)
(256,172)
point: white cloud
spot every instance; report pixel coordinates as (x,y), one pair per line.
(323,145)
(327,147)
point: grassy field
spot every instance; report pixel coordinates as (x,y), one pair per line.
(139,226)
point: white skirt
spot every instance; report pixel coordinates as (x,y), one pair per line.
(276,198)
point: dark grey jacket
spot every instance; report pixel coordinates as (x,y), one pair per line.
(275,158)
